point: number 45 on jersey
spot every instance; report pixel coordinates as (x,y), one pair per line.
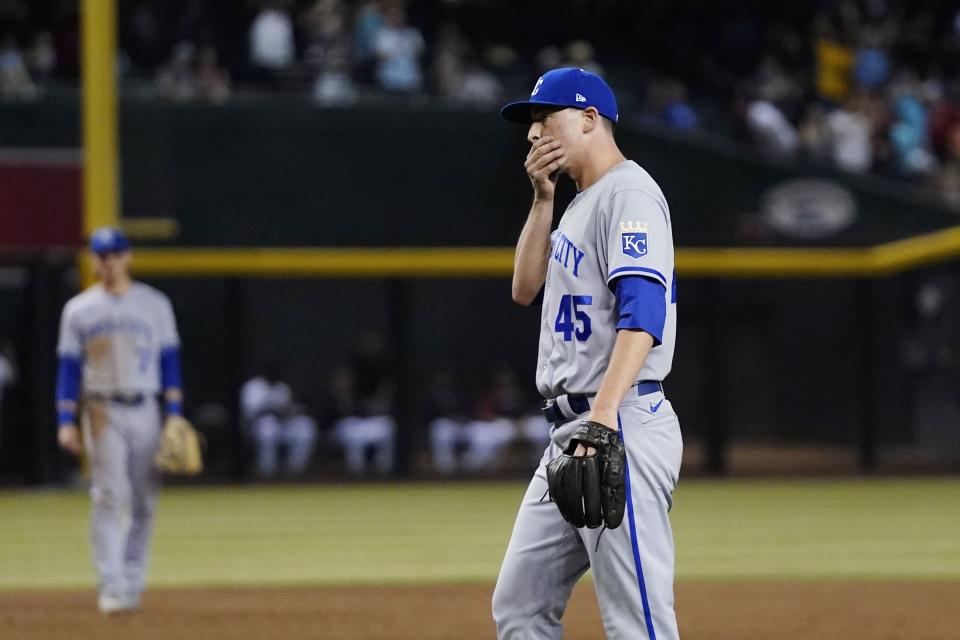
(572,321)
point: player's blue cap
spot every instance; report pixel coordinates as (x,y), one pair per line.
(565,87)
(109,240)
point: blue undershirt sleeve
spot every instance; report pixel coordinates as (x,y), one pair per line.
(170,376)
(68,386)
(641,305)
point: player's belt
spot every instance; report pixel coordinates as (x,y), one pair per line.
(126,399)
(568,406)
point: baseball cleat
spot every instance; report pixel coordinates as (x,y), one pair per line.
(110,604)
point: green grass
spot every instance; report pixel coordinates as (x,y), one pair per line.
(420,533)
(828,529)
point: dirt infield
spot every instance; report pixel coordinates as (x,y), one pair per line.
(714,611)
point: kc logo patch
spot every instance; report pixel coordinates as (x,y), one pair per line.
(633,239)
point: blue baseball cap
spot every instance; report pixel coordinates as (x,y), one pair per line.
(109,240)
(565,87)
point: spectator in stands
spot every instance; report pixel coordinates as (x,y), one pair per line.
(459,73)
(813,133)
(275,422)
(536,431)
(668,104)
(945,134)
(213,81)
(177,79)
(522,409)
(450,49)
(487,435)
(871,69)
(476,85)
(334,86)
(500,416)
(336,399)
(143,37)
(834,61)
(795,56)
(850,131)
(367,25)
(909,133)
(324,29)
(580,53)
(550,57)
(446,421)
(8,375)
(272,46)
(15,81)
(328,52)
(399,48)
(188,77)
(370,425)
(945,127)
(363,435)
(770,128)
(42,56)
(774,84)
(948,183)
(932,346)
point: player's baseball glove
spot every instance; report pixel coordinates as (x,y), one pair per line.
(179,451)
(590,490)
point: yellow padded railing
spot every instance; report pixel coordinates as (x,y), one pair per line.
(479,262)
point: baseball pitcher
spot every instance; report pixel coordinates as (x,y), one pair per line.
(604,487)
(118,351)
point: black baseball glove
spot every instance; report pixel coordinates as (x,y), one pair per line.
(590,490)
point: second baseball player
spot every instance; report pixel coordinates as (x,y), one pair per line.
(118,350)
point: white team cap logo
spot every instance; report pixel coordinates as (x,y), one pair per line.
(536,87)
(104,235)
(580,98)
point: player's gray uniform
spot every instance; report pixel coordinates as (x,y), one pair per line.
(119,339)
(618,226)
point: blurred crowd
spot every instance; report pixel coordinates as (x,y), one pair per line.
(353,420)
(476,432)
(870,86)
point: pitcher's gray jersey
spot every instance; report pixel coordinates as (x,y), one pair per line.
(119,338)
(619,226)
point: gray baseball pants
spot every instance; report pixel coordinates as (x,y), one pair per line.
(632,565)
(121,442)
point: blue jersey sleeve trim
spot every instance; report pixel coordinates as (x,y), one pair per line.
(645,270)
(68,378)
(68,385)
(641,305)
(170,375)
